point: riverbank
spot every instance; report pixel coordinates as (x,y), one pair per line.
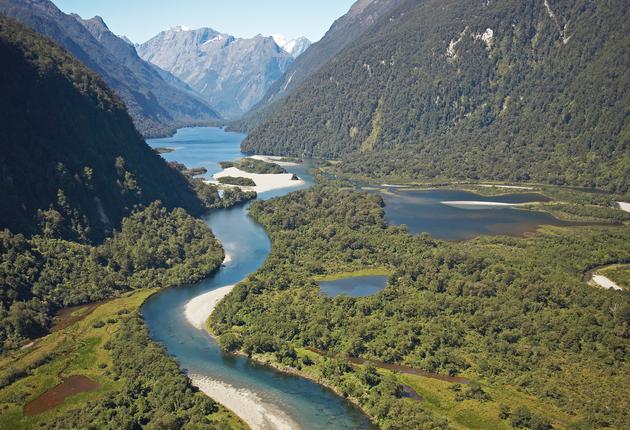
(264,182)
(275,160)
(246,404)
(198,310)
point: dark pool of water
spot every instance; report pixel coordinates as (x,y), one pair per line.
(356,286)
(424,211)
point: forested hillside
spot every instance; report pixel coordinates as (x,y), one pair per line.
(506,90)
(156,106)
(72,164)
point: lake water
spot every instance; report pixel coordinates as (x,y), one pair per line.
(201,147)
(424,211)
(356,286)
(308,404)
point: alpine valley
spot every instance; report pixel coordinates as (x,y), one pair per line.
(420,221)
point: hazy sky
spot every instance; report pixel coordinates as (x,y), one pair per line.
(142,19)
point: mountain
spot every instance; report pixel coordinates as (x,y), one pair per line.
(346,30)
(156,107)
(295,47)
(502,90)
(231,74)
(72,163)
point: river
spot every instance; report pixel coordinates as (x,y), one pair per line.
(306,404)
(296,402)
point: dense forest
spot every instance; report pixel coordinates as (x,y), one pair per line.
(252,165)
(41,275)
(515,315)
(71,160)
(502,90)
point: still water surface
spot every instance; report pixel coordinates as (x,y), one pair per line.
(426,211)
(356,286)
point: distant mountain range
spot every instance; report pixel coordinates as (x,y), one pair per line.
(231,74)
(72,164)
(444,89)
(156,106)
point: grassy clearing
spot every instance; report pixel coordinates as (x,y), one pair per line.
(439,397)
(74,350)
(376,271)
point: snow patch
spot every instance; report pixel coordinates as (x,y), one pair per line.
(180,28)
(294,47)
(214,39)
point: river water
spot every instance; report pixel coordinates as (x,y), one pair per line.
(308,405)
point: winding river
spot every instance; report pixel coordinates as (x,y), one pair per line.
(286,401)
(280,400)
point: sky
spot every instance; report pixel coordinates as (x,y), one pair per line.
(140,20)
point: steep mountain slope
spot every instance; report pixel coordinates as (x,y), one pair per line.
(504,90)
(72,164)
(345,31)
(231,74)
(156,107)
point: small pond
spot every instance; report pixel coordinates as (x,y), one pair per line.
(356,286)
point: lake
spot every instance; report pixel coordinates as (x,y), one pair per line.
(425,211)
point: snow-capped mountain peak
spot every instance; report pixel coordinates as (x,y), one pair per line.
(295,47)
(179,28)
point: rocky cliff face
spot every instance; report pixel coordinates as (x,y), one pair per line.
(232,74)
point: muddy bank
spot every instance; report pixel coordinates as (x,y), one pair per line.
(55,396)
(399,368)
